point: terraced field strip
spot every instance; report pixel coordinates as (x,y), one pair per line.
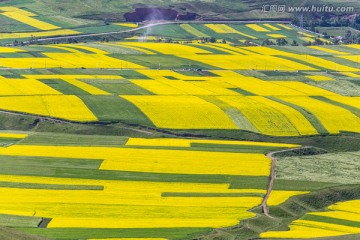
(182,205)
(341,219)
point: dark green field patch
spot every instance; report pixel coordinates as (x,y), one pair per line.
(64,87)
(85,233)
(114,108)
(249,182)
(9,162)
(242,91)
(73,140)
(331,220)
(298,185)
(122,87)
(49,186)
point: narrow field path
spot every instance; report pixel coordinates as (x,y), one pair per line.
(272,177)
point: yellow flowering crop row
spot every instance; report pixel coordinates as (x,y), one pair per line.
(249,62)
(86,87)
(334,119)
(304,88)
(278,197)
(10,50)
(13,135)
(327,50)
(307,58)
(351,101)
(182,112)
(68,60)
(350,74)
(190,29)
(62,106)
(176,142)
(189,162)
(18,10)
(223,28)
(353,58)
(130,25)
(22,87)
(306,34)
(257,28)
(272,27)
(349,206)
(302,125)
(61,32)
(285,26)
(266,119)
(166,48)
(276,35)
(311,229)
(30,21)
(132,47)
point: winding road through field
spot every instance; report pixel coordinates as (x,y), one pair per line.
(148,25)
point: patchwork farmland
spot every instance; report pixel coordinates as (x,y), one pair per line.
(186,129)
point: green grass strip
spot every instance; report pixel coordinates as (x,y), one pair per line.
(18,221)
(85,233)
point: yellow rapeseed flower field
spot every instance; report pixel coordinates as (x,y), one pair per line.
(182,112)
(193,31)
(272,27)
(57,106)
(266,119)
(278,197)
(13,135)
(223,28)
(257,27)
(176,142)
(30,20)
(334,118)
